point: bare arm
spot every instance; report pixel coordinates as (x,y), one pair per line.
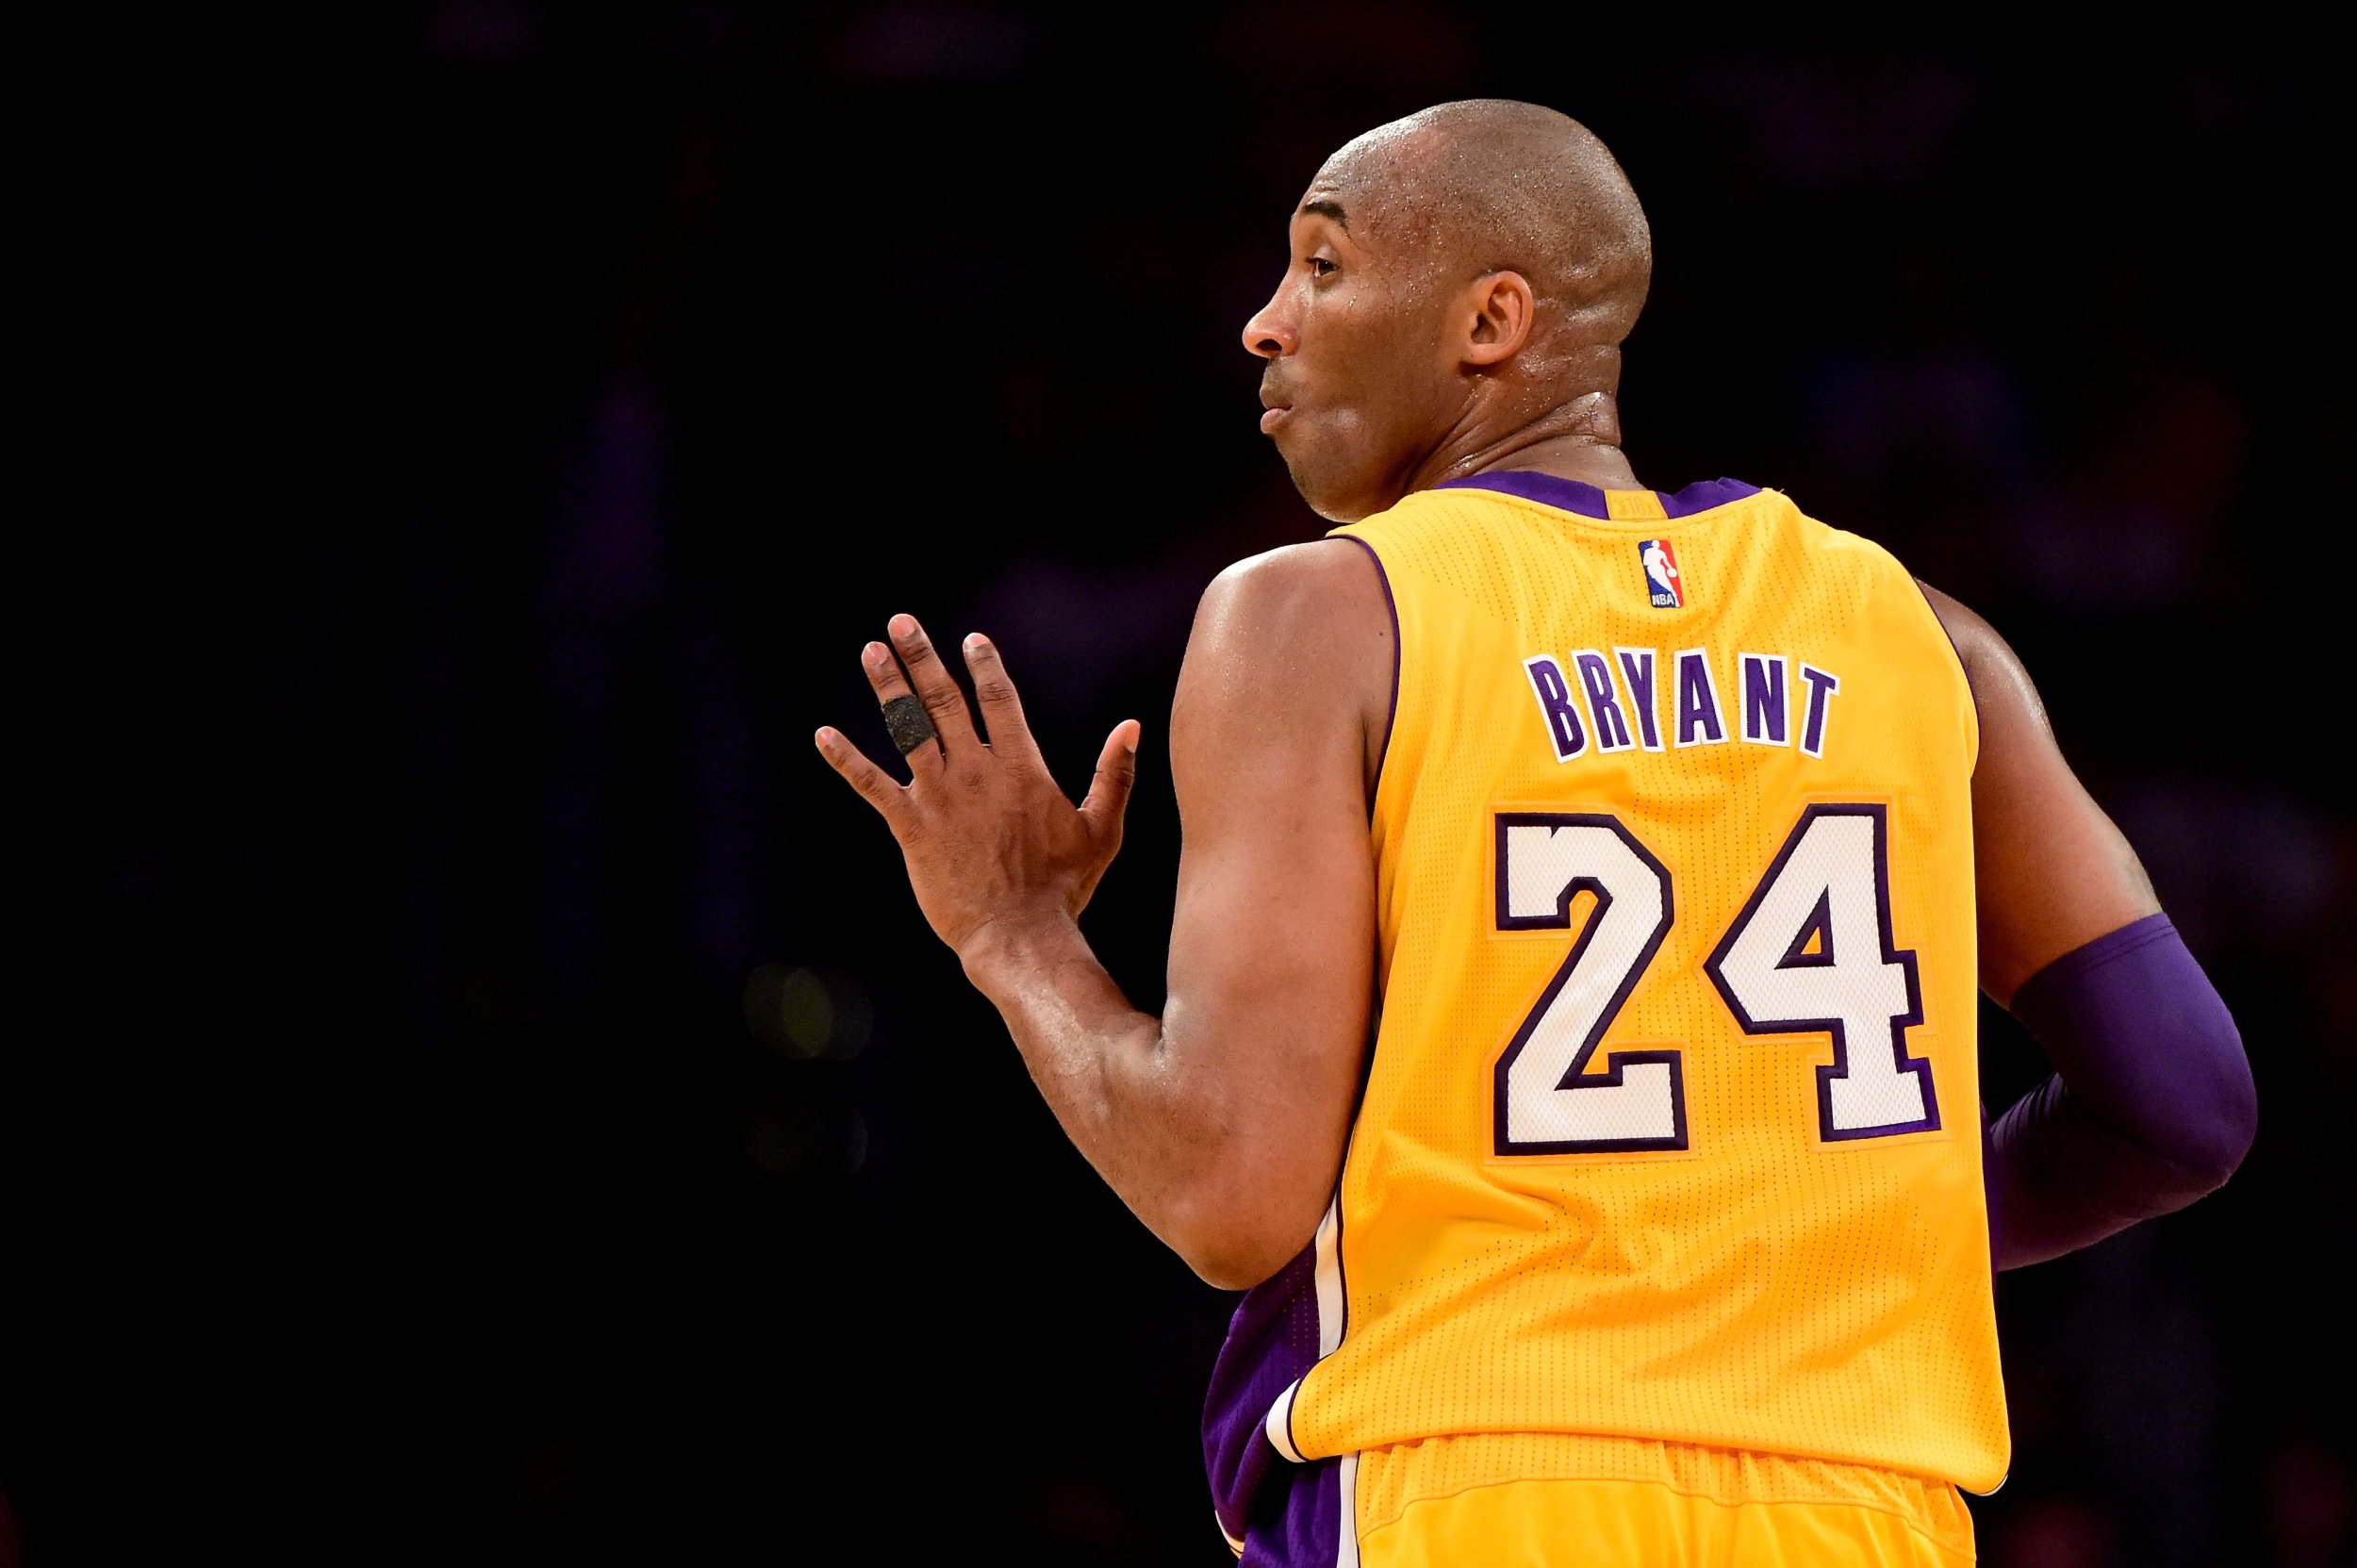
(2054,872)
(2150,1103)
(1221,1124)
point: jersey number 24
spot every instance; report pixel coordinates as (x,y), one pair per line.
(1810,953)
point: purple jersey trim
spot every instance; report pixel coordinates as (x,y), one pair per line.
(1587,501)
(1390,720)
(1966,670)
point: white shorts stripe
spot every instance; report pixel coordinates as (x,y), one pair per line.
(1329,1279)
(1346,1551)
(1279,1422)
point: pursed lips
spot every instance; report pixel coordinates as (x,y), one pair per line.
(1275,406)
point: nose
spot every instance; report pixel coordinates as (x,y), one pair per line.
(1269,335)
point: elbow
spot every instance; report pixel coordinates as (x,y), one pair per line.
(2203,1144)
(2218,1144)
(2146,1047)
(1232,1258)
(1233,1246)
(2214,1138)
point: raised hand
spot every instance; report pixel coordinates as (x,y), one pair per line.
(989,839)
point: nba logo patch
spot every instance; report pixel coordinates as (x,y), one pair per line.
(1662,583)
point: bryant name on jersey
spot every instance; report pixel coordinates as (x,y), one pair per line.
(1612,705)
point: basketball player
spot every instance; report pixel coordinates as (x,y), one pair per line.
(1584,895)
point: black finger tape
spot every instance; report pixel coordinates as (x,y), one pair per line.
(910,724)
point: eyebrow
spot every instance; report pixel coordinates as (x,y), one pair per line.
(1325,208)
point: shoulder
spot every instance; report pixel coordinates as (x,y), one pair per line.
(1308,594)
(1298,645)
(1336,561)
(1995,671)
(1967,631)
(1863,561)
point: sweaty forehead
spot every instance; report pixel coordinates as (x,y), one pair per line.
(1375,179)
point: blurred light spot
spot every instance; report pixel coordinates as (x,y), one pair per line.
(788,1137)
(500,1009)
(784,1137)
(808,1013)
(851,1143)
(2062,1531)
(548,1480)
(2308,1498)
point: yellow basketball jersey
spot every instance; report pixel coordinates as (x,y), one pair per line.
(1671,1129)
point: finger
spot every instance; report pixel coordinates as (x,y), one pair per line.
(921,750)
(1002,710)
(875,786)
(935,686)
(1116,775)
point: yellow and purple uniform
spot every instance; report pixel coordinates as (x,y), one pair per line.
(1660,1225)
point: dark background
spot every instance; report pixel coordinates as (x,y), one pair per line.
(507,1108)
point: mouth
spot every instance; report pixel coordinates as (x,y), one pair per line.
(1273,409)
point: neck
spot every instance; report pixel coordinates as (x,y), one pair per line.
(1554,411)
(1579,439)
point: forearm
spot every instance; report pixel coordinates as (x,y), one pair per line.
(1222,1123)
(1123,1097)
(2150,1107)
(2059,1180)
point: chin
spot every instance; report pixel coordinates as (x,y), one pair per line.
(1339,501)
(1336,491)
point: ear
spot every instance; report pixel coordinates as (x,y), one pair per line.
(1497,310)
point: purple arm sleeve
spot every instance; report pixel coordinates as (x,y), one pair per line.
(2149,1105)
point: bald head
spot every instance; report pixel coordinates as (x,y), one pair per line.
(1460,285)
(1491,185)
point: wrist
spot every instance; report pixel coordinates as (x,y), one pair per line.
(1006,947)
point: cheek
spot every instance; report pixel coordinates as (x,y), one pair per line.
(1367,378)
(1363,360)
(1390,381)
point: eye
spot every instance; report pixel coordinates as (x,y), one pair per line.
(1321,267)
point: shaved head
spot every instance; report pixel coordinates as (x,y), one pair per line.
(1493,184)
(1460,285)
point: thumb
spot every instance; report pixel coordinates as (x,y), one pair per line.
(1116,774)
